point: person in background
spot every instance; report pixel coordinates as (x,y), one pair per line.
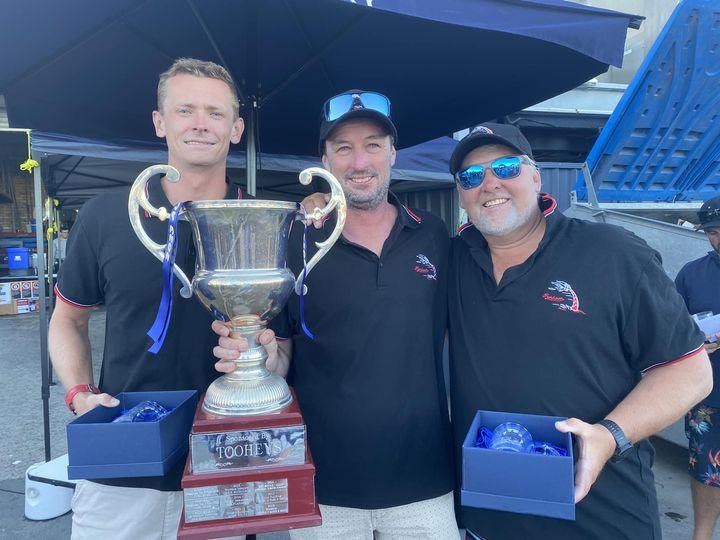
(698,282)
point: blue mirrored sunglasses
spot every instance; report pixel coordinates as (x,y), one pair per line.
(505,168)
(336,106)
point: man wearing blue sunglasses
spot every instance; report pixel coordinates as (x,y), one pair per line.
(370,384)
(563,317)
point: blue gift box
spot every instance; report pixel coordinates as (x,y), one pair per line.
(99,448)
(518,482)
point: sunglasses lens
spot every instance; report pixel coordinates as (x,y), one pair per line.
(376,102)
(506,167)
(471,177)
(337,106)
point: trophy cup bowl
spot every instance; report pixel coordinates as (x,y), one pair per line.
(241,277)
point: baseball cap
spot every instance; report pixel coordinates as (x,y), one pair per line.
(709,213)
(354,104)
(489,133)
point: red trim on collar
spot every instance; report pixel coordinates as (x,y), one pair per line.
(547,199)
(462,227)
(412,214)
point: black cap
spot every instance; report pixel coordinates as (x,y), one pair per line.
(489,133)
(357,112)
(709,213)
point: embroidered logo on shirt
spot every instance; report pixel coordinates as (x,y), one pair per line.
(424,267)
(563,297)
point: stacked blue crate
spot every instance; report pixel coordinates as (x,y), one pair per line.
(662,142)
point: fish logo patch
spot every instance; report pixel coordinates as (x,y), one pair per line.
(424,267)
(561,295)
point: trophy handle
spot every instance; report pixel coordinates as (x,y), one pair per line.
(337,200)
(138,199)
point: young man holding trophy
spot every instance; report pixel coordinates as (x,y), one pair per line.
(198,115)
(369,380)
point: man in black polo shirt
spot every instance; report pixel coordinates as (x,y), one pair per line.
(698,283)
(564,317)
(370,383)
(198,115)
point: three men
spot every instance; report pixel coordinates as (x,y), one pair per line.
(697,282)
(198,115)
(562,317)
(370,383)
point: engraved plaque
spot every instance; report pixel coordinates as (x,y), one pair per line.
(240,500)
(237,450)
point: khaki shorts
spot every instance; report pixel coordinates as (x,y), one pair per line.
(122,513)
(432,519)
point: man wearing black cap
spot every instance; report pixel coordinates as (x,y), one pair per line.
(698,283)
(370,383)
(564,317)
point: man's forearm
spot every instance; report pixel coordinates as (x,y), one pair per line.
(69,346)
(663,396)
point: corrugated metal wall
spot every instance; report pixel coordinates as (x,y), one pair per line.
(441,202)
(558,179)
(3,114)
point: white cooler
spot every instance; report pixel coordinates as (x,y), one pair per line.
(47,489)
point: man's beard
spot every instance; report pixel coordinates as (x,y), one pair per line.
(516,220)
(368,200)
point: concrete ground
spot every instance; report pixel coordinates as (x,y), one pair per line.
(21,438)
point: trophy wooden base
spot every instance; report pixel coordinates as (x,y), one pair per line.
(247,475)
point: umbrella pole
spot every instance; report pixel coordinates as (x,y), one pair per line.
(42,312)
(50,263)
(251,147)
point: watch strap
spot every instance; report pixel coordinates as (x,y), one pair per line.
(622,444)
(76,390)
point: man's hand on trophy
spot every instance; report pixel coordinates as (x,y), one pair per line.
(85,401)
(313,201)
(228,350)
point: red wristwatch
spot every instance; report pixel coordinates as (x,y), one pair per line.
(76,390)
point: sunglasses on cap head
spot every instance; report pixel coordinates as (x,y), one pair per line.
(505,168)
(338,105)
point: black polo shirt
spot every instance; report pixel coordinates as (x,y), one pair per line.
(106,264)
(370,385)
(566,333)
(698,282)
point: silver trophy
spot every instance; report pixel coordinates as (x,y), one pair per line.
(241,277)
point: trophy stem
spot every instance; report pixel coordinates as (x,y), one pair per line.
(251,388)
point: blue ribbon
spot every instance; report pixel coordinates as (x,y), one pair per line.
(158,332)
(303,323)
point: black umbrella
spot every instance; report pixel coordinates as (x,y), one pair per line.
(90,68)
